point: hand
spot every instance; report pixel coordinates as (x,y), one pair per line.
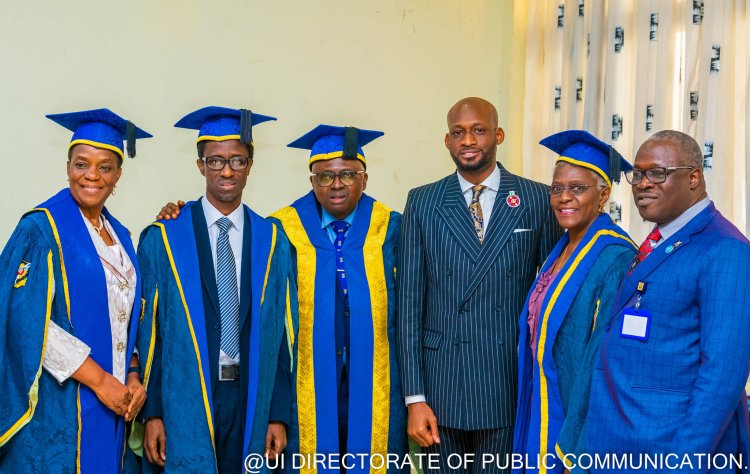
(422,425)
(112,393)
(170,210)
(275,439)
(155,441)
(137,394)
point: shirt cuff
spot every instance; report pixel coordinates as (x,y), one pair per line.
(415,399)
(64,353)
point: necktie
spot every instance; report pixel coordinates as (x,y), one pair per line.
(475,209)
(340,228)
(226,284)
(646,247)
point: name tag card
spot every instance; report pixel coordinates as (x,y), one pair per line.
(635,324)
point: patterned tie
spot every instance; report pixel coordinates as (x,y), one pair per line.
(475,209)
(340,227)
(646,247)
(226,284)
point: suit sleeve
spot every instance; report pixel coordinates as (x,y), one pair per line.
(148,341)
(723,296)
(551,230)
(411,290)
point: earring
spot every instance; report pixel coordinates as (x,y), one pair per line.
(113,190)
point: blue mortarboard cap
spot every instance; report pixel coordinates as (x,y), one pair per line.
(580,148)
(221,123)
(101,128)
(327,142)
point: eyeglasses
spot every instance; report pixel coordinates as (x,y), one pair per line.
(217,163)
(655,175)
(326,178)
(575,190)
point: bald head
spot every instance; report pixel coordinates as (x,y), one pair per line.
(475,104)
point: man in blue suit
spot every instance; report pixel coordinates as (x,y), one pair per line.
(669,379)
(470,248)
(216,329)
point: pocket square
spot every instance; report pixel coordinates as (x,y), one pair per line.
(521,230)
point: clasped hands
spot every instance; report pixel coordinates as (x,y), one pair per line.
(123,399)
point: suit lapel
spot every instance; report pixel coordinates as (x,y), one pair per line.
(205,259)
(502,222)
(246,271)
(677,242)
(455,212)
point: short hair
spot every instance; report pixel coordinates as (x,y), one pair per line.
(70,155)
(686,145)
(599,179)
(202,147)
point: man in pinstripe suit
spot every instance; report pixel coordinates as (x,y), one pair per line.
(471,244)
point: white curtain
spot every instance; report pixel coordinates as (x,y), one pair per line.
(626,69)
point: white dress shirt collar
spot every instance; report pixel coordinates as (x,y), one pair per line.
(492,181)
(212,214)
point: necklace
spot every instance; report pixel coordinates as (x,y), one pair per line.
(561,260)
(98,228)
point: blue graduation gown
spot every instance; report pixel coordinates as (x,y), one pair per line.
(377,415)
(51,272)
(545,378)
(173,331)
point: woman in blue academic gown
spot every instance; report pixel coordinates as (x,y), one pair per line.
(559,328)
(69,308)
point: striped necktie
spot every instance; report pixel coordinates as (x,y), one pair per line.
(475,209)
(226,284)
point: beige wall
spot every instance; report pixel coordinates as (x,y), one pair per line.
(394,65)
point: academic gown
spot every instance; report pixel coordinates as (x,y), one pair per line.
(376,412)
(50,271)
(550,386)
(175,343)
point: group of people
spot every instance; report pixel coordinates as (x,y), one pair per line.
(497,316)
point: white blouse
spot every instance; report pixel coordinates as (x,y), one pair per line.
(64,353)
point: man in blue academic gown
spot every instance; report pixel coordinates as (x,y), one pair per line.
(348,397)
(215,325)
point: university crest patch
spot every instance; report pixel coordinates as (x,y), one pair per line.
(22,274)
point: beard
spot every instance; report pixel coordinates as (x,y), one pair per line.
(483,162)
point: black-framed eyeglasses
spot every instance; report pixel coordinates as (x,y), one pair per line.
(575,190)
(217,163)
(655,175)
(326,178)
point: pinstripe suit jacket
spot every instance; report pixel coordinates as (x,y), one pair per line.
(459,300)
(682,389)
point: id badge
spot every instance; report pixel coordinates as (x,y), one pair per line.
(635,324)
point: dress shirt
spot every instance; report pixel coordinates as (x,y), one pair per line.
(235,242)
(326,219)
(487,198)
(669,229)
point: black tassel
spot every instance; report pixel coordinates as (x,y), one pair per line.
(246,126)
(351,142)
(130,138)
(615,165)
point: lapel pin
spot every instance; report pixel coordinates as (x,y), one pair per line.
(512,200)
(669,249)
